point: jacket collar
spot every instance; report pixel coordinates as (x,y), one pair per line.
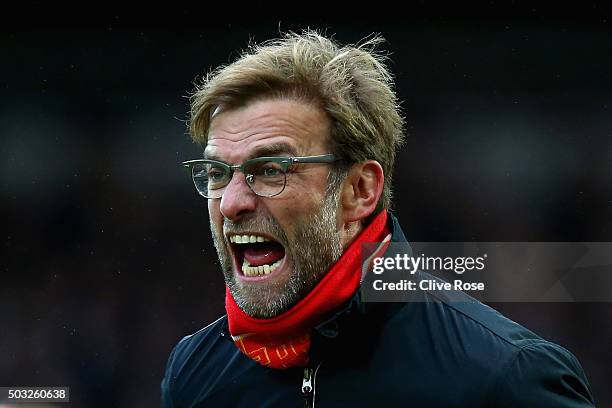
(331,327)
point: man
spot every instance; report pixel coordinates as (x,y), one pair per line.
(300,137)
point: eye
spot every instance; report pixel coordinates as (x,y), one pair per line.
(216,174)
(269,170)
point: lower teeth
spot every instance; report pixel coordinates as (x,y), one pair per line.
(249,270)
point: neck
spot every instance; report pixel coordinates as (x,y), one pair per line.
(350,231)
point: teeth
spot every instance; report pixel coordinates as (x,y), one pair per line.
(249,270)
(247,239)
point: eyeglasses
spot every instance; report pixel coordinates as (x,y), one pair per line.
(266,176)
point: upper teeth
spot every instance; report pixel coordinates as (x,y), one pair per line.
(247,239)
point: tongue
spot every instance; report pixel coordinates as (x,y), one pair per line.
(263,253)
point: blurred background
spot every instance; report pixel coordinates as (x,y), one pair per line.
(107,258)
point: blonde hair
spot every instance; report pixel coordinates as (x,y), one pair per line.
(350,83)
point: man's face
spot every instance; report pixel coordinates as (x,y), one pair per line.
(299,228)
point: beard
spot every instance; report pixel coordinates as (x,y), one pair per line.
(313,246)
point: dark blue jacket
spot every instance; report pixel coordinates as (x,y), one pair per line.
(437,352)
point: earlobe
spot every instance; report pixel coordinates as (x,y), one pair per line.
(362,190)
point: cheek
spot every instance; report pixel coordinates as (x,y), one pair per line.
(215,214)
(295,208)
(306,189)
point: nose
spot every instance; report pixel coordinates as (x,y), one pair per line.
(238,199)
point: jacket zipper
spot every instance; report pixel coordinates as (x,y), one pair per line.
(308,386)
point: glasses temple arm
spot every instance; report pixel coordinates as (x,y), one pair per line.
(324,158)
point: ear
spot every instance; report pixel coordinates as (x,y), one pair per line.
(361,190)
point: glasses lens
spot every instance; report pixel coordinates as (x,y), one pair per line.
(266,178)
(209,179)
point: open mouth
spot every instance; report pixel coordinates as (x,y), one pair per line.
(257,255)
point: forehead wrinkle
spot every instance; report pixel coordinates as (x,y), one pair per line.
(236,134)
(282,145)
(261,150)
(246,129)
(283,116)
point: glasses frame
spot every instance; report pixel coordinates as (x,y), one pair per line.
(284,162)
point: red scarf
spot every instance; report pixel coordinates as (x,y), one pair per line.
(284,340)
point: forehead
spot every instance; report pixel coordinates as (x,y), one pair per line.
(292,127)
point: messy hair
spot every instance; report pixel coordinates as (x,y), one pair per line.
(350,83)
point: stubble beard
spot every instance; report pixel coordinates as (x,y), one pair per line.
(314,246)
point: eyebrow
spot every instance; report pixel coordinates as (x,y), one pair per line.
(275,149)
